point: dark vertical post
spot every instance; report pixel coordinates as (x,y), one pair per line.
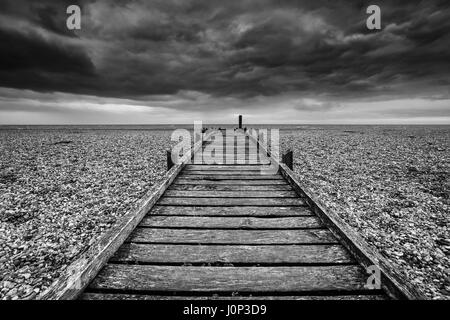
(240,121)
(288,159)
(169,160)
(257,145)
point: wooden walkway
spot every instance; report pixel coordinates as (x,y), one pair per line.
(227,231)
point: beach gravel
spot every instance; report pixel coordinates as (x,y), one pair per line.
(389,183)
(60,190)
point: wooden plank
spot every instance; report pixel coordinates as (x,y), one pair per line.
(216,177)
(236,167)
(260,182)
(239,162)
(236,156)
(210,149)
(122,296)
(220,162)
(221,148)
(304,236)
(284,202)
(230,173)
(234,254)
(224,149)
(231,194)
(80,272)
(240,153)
(231,222)
(211,187)
(230,279)
(231,211)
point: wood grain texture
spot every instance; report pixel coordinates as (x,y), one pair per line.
(231,222)
(305,236)
(240,153)
(212,187)
(172,201)
(231,161)
(234,254)
(233,155)
(230,279)
(259,182)
(225,167)
(229,173)
(231,194)
(118,296)
(231,211)
(215,177)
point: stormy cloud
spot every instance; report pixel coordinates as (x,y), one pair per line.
(202,56)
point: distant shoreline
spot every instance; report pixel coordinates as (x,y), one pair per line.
(190,126)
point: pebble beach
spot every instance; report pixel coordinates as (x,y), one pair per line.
(391,185)
(61,189)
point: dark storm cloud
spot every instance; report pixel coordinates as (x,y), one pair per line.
(136,49)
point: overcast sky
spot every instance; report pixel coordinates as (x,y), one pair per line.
(178,61)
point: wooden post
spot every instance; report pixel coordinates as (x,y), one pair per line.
(257,145)
(240,121)
(288,159)
(169,160)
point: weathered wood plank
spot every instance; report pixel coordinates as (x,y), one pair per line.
(249,173)
(231,194)
(231,211)
(234,254)
(193,167)
(187,180)
(240,153)
(233,161)
(230,279)
(217,177)
(304,236)
(211,187)
(284,202)
(231,222)
(118,296)
(221,148)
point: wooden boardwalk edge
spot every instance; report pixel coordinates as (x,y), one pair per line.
(394,283)
(76,277)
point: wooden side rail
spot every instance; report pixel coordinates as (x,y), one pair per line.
(393,282)
(79,274)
